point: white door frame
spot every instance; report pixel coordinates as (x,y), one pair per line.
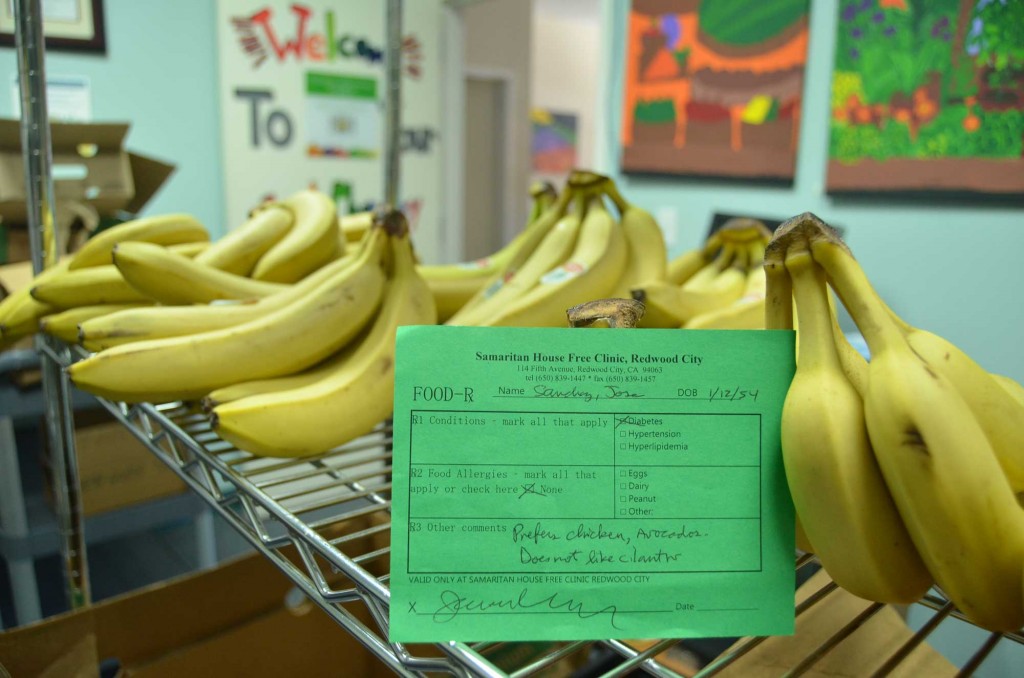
(507,79)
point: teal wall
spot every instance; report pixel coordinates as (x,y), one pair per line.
(949,267)
(159,74)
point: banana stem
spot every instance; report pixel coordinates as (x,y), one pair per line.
(778,300)
(609,188)
(864,304)
(817,348)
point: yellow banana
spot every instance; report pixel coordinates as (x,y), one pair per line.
(747,312)
(552,252)
(778,315)
(450,292)
(310,243)
(284,341)
(355,226)
(710,289)
(646,258)
(1011,386)
(238,251)
(168,229)
(681,268)
(20,312)
(837,488)
(174,321)
(64,325)
(939,466)
(172,279)
(503,264)
(596,262)
(86,287)
(352,396)
(190,249)
(1000,415)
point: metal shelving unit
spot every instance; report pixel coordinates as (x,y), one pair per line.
(325,522)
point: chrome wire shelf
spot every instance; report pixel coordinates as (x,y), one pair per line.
(325,522)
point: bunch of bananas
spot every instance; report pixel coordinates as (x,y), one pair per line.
(280,325)
(906,471)
(720,285)
(573,250)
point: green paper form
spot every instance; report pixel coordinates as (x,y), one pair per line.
(574,484)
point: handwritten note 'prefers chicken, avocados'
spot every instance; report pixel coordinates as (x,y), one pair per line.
(570,484)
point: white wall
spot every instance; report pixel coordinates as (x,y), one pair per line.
(566,68)
(496,38)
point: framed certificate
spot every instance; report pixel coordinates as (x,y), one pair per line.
(68,25)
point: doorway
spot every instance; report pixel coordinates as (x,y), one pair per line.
(485,137)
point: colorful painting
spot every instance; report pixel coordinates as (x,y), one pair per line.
(553,150)
(714,88)
(928,95)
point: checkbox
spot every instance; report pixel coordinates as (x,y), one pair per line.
(622,474)
(622,446)
(622,434)
(622,512)
(622,486)
(622,499)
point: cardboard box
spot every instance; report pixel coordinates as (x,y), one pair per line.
(115,469)
(94,177)
(235,620)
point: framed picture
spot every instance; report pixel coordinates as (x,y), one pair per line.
(928,96)
(553,147)
(68,25)
(714,89)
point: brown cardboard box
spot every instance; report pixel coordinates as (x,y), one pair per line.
(230,621)
(94,176)
(114,468)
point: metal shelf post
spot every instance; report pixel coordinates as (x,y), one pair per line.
(43,240)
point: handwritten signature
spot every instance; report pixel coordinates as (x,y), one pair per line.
(611,393)
(453,604)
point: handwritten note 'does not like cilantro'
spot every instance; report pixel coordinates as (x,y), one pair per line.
(573,484)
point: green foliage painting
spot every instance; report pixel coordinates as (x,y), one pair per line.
(928,95)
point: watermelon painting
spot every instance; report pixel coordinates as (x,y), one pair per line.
(714,88)
(928,95)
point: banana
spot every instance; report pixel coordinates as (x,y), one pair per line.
(647,258)
(778,315)
(450,292)
(86,287)
(284,341)
(542,195)
(1011,386)
(20,312)
(939,466)
(355,226)
(172,279)
(288,382)
(310,243)
(190,249)
(837,489)
(1001,417)
(64,325)
(174,321)
(747,312)
(352,395)
(596,262)
(662,305)
(168,229)
(238,251)
(710,289)
(681,268)
(552,252)
(503,264)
